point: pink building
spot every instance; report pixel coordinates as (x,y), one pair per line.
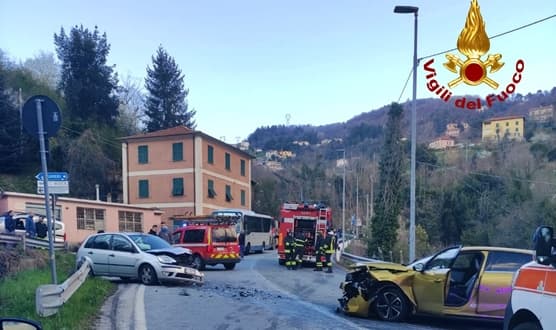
(83,217)
(184,172)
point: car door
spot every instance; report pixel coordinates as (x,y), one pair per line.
(123,257)
(496,281)
(97,250)
(429,284)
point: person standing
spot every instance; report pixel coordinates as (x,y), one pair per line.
(299,249)
(154,230)
(41,228)
(318,252)
(241,242)
(290,250)
(329,248)
(30,229)
(9,222)
(165,233)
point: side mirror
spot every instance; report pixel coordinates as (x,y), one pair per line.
(542,243)
(17,323)
(419,267)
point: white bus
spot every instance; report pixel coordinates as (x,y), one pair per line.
(258,228)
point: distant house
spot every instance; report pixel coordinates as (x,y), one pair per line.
(511,127)
(286,154)
(541,114)
(452,129)
(442,143)
(273,165)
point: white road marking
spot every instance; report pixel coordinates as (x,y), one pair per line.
(139,319)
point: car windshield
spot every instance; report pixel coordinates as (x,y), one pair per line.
(224,234)
(148,242)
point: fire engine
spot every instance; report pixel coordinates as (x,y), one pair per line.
(304,219)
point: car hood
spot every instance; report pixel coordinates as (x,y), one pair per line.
(390,266)
(175,250)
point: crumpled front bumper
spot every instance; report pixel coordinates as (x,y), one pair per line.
(173,273)
(352,301)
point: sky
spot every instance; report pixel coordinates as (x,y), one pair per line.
(253,63)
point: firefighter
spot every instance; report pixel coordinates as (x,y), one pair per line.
(318,252)
(329,248)
(300,241)
(290,250)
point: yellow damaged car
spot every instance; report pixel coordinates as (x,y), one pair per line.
(458,281)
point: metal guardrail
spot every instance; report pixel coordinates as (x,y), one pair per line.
(50,297)
(355,258)
(29,242)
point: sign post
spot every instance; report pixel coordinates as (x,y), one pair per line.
(32,116)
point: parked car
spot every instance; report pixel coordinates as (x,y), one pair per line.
(533,299)
(136,255)
(458,281)
(19,218)
(212,242)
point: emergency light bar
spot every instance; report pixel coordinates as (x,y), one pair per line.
(209,220)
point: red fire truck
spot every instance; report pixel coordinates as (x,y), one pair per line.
(303,219)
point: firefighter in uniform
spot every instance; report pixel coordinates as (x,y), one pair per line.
(299,249)
(318,252)
(290,250)
(329,248)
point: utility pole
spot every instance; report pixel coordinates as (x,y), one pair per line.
(356,204)
(344,201)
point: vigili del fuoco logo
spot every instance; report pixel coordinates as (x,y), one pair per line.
(473,43)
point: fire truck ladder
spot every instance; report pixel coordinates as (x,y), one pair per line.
(322,214)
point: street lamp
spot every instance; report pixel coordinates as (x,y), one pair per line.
(414,11)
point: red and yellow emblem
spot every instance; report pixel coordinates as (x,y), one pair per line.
(473,42)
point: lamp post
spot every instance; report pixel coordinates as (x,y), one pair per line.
(414,11)
(343,199)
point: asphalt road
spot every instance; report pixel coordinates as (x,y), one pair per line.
(257,294)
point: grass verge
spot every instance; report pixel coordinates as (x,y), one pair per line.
(17,296)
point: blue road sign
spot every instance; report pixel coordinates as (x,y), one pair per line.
(53,176)
(51,117)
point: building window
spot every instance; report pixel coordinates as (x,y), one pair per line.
(143,152)
(228,193)
(130,221)
(211,192)
(143,188)
(242,197)
(517,129)
(242,167)
(497,124)
(177,187)
(177,151)
(517,123)
(90,219)
(507,124)
(227,159)
(210,153)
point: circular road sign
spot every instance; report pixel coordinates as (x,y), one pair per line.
(51,118)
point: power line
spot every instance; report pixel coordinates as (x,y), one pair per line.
(453,49)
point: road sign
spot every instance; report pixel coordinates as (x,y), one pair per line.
(53,176)
(51,117)
(54,187)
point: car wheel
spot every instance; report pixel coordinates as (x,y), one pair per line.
(528,326)
(230,266)
(147,275)
(198,262)
(391,305)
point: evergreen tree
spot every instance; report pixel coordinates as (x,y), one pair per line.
(388,202)
(87,82)
(9,130)
(166,104)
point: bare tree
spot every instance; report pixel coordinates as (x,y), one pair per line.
(44,68)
